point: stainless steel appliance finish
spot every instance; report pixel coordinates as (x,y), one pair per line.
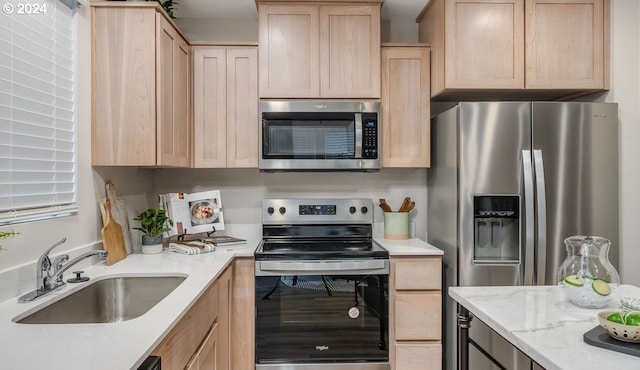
(321,287)
(319,136)
(108,300)
(509,182)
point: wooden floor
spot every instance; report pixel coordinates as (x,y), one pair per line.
(308,323)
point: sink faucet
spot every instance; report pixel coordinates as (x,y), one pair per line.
(49,275)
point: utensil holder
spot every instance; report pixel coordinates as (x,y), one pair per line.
(396,225)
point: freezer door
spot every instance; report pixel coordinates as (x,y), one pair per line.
(492,137)
(578,145)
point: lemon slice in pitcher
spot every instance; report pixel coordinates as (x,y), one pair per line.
(573,280)
(601,287)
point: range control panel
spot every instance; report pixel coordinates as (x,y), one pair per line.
(317,211)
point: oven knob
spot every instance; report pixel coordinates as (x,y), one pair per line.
(364,209)
(282,210)
(352,209)
(270,210)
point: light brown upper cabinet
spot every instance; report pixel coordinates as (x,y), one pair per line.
(565,44)
(516,48)
(405,106)
(319,50)
(225,106)
(141,87)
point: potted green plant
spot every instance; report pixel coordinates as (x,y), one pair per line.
(167,5)
(7,234)
(153,222)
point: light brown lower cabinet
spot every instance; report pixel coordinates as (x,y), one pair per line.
(218,331)
(225,291)
(184,340)
(206,356)
(415,313)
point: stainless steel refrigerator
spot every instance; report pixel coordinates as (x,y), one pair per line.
(509,182)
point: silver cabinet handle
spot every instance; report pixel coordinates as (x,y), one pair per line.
(527,173)
(541,207)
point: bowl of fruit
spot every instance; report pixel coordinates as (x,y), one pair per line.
(621,325)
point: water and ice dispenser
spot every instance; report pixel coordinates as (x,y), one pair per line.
(496,223)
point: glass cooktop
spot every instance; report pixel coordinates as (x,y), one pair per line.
(320,249)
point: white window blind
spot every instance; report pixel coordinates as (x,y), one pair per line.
(37,110)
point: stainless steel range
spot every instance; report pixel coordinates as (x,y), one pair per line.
(321,287)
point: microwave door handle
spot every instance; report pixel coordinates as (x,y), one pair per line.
(358,123)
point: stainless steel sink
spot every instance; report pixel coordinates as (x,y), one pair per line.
(108,300)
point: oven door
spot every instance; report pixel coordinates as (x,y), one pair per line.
(322,314)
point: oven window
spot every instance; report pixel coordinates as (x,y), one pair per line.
(320,136)
(321,318)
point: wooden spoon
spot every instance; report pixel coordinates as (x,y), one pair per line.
(405,204)
(385,207)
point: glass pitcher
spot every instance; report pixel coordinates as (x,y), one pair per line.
(586,275)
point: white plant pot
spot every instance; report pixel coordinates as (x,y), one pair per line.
(152,249)
(151,244)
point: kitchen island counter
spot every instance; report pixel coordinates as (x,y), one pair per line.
(540,322)
(119,345)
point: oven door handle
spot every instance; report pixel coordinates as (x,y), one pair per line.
(286,268)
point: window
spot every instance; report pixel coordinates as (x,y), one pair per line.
(37,110)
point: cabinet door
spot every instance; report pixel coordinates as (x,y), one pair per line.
(242,107)
(173,90)
(225,291)
(209,107)
(179,346)
(565,44)
(288,50)
(405,107)
(418,316)
(350,51)
(123,131)
(418,356)
(243,321)
(484,45)
(205,358)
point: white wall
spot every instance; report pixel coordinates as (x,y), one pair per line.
(625,90)
(242,190)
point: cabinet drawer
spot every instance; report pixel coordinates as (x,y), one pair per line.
(418,316)
(417,356)
(418,274)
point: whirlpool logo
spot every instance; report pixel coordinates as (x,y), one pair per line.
(322,348)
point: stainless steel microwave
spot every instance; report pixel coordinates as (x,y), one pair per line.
(319,136)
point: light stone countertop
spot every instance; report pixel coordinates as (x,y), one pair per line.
(409,247)
(544,325)
(121,345)
(125,345)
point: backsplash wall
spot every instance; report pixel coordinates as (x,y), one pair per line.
(242,190)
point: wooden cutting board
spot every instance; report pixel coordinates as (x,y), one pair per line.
(119,213)
(112,240)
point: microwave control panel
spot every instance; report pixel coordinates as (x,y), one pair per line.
(369,136)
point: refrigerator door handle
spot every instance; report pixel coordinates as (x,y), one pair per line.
(541,207)
(527,173)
